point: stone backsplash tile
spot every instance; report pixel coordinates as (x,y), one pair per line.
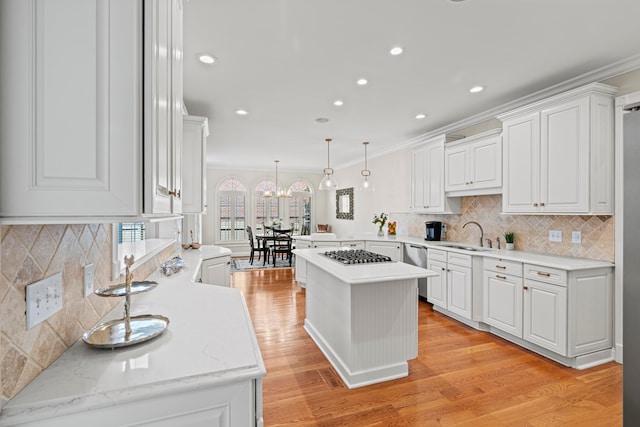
(531,231)
(29,253)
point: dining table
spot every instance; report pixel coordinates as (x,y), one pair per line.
(271,234)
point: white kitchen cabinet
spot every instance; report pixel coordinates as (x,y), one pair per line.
(325,244)
(163,107)
(459,284)
(558,154)
(502,299)
(216,271)
(302,244)
(390,249)
(194,170)
(473,165)
(427,186)
(437,286)
(71,86)
(353,244)
(545,315)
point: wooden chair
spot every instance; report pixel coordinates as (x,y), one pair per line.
(264,248)
(282,245)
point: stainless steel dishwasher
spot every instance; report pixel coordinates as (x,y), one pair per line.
(417,255)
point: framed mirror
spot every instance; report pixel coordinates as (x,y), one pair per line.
(344,203)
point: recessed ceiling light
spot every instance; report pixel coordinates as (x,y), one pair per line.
(242,112)
(476,89)
(420,116)
(362,82)
(396,50)
(338,103)
(206,58)
(322,120)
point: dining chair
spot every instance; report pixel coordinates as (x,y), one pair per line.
(282,245)
(257,247)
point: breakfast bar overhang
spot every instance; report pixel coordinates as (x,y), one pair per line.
(364,318)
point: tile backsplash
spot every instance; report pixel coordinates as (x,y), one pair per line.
(531,231)
(29,253)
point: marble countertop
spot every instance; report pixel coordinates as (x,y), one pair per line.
(555,261)
(210,340)
(364,273)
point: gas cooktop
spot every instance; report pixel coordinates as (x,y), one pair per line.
(356,256)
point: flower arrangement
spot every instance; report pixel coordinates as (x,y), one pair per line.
(391,227)
(380,221)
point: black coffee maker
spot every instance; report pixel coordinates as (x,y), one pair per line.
(433,230)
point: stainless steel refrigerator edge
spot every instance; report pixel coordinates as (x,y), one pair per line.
(631,268)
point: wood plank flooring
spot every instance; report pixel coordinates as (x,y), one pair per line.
(462,377)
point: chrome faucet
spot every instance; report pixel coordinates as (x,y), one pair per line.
(481,231)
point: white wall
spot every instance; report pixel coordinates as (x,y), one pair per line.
(250,178)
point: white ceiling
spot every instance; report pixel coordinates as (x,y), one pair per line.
(286,61)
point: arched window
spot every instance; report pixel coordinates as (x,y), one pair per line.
(300,206)
(267,209)
(231,197)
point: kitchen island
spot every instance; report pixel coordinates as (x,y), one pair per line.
(364,318)
(206,368)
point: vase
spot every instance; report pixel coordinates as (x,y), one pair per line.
(510,246)
(380,233)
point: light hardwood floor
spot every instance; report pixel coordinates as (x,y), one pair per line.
(462,377)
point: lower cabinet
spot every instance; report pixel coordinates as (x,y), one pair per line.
(437,286)
(452,289)
(353,244)
(545,316)
(390,249)
(502,296)
(216,271)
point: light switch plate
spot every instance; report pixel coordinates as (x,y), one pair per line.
(555,236)
(576,237)
(44,298)
(88,279)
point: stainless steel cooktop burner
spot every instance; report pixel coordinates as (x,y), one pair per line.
(356,256)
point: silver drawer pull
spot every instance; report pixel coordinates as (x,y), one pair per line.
(502,267)
(542,273)
(501,277)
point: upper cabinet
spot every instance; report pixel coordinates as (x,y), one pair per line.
(76,102)
(558,154)
(163,107)
(70,132)
(427,186)
(473,165)
(194,171)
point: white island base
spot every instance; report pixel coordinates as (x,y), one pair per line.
(363,318)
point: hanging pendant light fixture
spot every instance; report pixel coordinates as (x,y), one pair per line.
(328,182)
(365,184)
(280,191)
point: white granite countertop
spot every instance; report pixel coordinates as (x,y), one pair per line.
(210,340)
(363,273)
(555,261)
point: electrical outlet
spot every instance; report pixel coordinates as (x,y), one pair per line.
(576,237)
(555,236)
(44,298)
(88,279)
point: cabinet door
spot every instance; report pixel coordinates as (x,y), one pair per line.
(459,290)
(194,164)
(434,198)
(70,80)
(521,167)
(502,301)
(163,85)
(485,163)
(390,249)
(216,271)
(456,168)
(545,316)
(418,189)
(437,285)
(564,153)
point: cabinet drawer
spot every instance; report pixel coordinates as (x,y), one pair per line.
(436,255)
(354,244)
(512,268)
(459,259)
(549,275)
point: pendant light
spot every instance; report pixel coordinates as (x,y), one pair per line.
(280,191)
(328,182)
(365,184)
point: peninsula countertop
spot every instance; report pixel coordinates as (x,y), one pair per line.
(210,340)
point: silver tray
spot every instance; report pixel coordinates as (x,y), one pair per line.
(113,333)
(121,289)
